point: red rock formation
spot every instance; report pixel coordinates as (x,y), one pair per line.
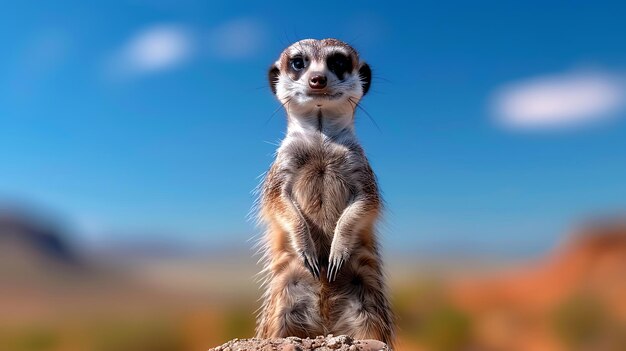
(516,310)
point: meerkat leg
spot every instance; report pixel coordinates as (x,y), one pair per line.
(362,308)
(291,306)
(358,215)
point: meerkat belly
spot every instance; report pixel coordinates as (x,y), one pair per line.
(322,190)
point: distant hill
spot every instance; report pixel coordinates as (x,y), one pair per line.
(32,246)
(571,299)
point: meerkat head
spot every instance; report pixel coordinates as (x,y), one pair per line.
(319,75)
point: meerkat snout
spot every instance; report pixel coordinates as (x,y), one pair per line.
(318,81)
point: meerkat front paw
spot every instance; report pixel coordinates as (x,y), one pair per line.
(335,260)
(311,262)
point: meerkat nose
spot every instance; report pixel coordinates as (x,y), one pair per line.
(317,81)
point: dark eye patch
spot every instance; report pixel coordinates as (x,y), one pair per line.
(339,64)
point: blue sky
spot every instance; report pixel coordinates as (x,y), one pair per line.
(500,125)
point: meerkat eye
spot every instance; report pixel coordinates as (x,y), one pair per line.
(297,63)
(339,64)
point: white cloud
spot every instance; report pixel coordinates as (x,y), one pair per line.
(165,46)
(239,38)
(559,100)
(153,49)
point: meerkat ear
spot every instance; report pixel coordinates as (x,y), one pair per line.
(272,76)
(365,73)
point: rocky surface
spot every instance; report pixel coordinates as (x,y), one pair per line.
(320,343)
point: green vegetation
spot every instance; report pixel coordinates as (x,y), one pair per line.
(445,329)
(427,317)
(30,339)
(581,321)
(239,323)
(137,336)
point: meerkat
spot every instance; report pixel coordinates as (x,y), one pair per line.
(320,202)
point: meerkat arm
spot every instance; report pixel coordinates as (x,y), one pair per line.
(360,213)
(295,224)
(280,206)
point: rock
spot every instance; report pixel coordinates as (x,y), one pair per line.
(336,342)
(320,343)
(371,345)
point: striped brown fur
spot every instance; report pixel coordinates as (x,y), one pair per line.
(320,203)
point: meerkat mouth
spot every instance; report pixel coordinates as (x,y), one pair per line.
(322,95)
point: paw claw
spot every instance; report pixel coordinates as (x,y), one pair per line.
(334,265)
(311,263)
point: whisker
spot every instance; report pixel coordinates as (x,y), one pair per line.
(353,104)
(285,39)
(355,38)
(376,77)
(353,108)
(358,105)
(276,111)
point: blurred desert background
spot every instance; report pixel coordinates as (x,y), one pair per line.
(132,135)
(56,297)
